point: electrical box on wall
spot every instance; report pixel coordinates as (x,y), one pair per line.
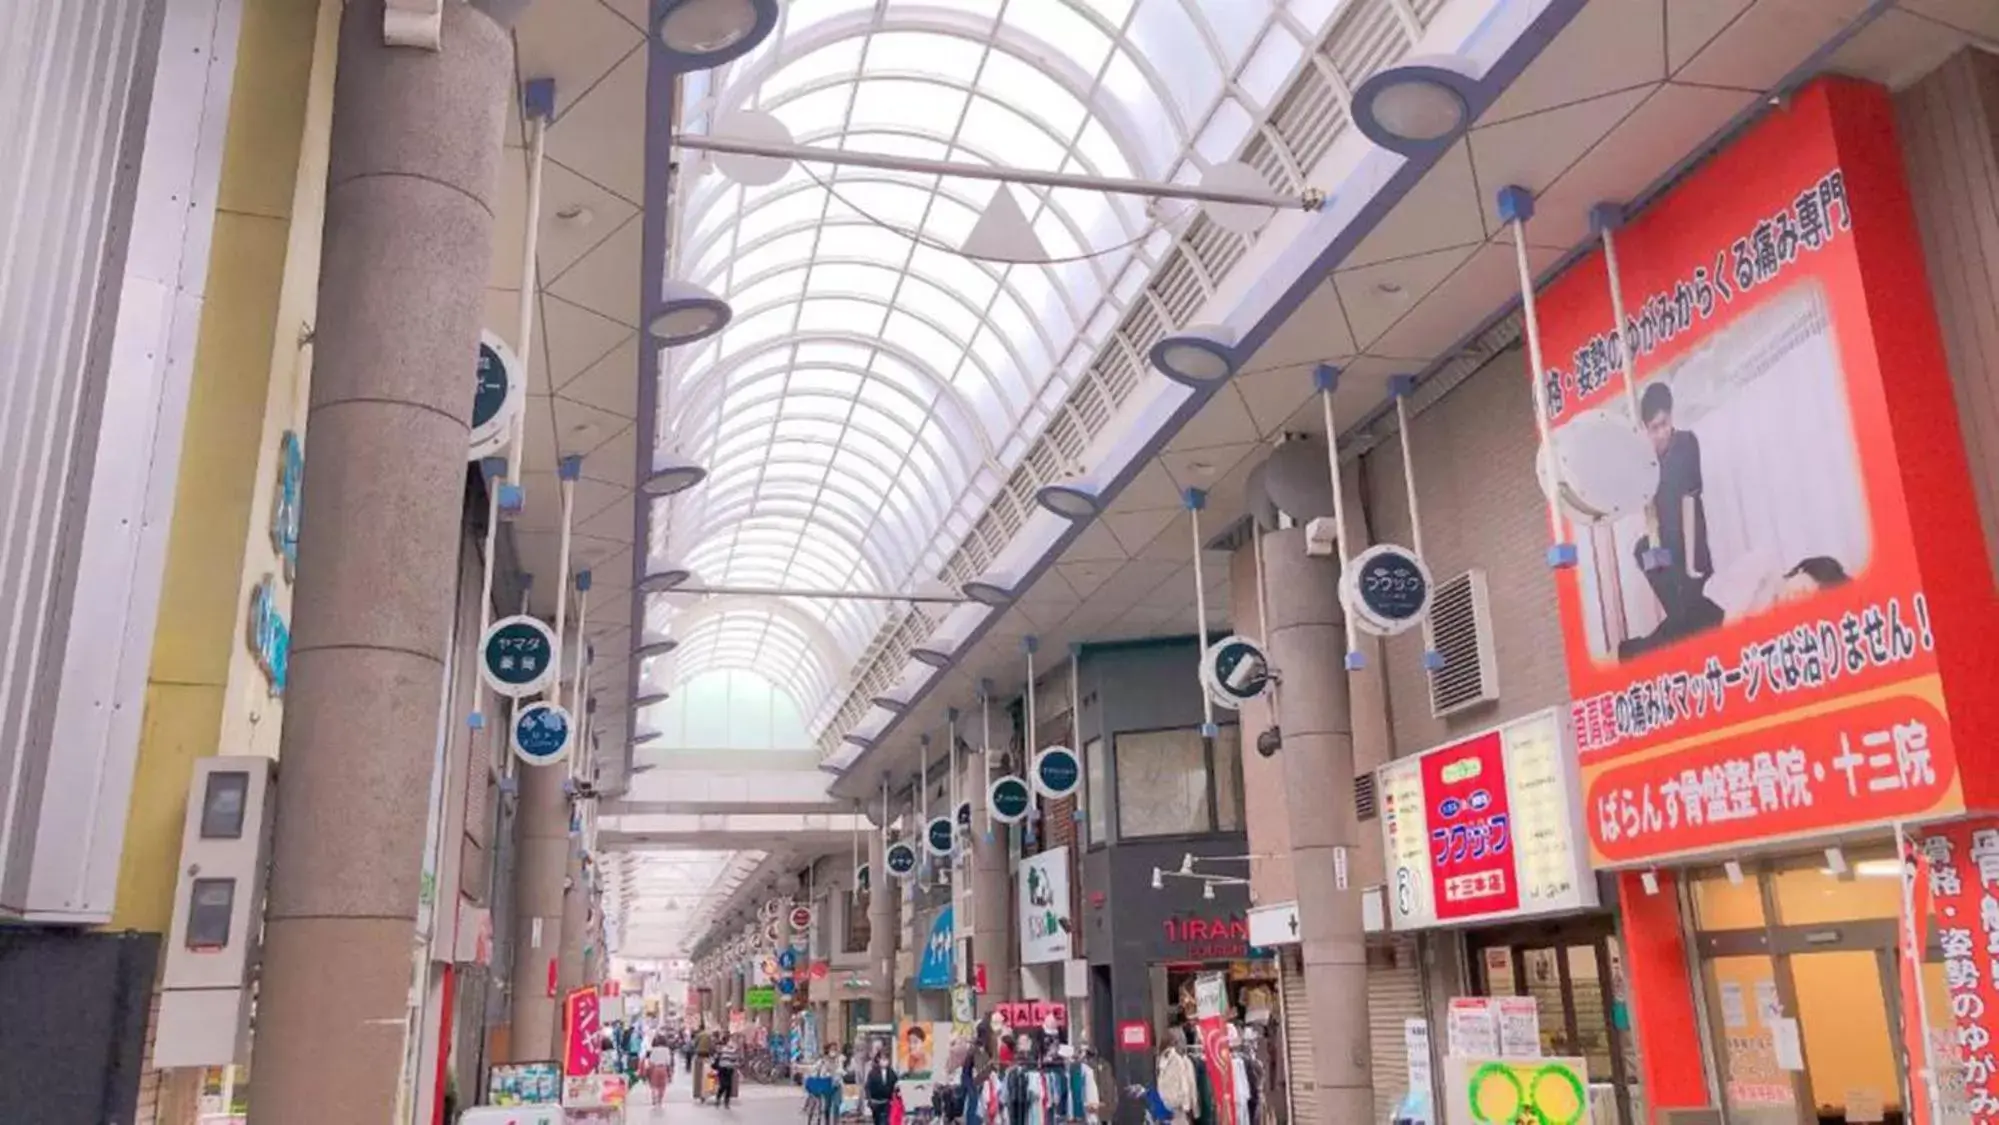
(212,947)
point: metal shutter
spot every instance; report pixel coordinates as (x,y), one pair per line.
(1298,1069)
(1394,995)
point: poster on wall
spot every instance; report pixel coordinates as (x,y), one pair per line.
(1044,908)
(1488,826)
(1756,649)
(916,1045)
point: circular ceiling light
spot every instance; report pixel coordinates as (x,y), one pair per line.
(700,34)
(688,314)
(660,581)
(673,476)
(659,647)
(1071,499)
(990,590)
(1414,108)
(1197,356)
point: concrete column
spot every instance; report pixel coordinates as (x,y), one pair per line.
(408,242)
(540,862)
(883,891)
(575,920)
(1307,640)
(992,902)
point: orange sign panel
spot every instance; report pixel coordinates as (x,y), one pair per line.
(1761,652)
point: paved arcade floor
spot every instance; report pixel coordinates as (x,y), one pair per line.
(755,1105)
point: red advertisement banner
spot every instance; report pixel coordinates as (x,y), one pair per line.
(1471,829)
(582,1028)
(1755,649)
(1955,897)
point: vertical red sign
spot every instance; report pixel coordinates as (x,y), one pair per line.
(1956,867)
(581,1026)
(1471,829)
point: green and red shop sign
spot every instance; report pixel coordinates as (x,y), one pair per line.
(1797,637)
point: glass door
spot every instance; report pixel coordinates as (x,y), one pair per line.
(1755,1042)
(1798,962)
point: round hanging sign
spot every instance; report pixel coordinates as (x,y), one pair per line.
(801,918)
(861,882)
(497,388)
(1007,799)
(787,959)
(1057,773)
(1234,671)
(940,836)
(1387,589)
(517,656)
(542,734)
(786,985)
(900,859)
(770,935)
(769,909)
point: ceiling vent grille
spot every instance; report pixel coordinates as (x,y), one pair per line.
(1461,624)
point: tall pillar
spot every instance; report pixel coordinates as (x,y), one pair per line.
(539,864)
(883,890)
(409,225)
(575,920)
(992,905)
(1307,640)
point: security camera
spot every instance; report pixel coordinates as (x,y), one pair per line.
(1269,742)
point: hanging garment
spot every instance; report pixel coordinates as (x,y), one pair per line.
(1245,1111)
(1179,1086)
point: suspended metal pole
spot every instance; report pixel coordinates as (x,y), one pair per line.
(1309,200)
(825,595)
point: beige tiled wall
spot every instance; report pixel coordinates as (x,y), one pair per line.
(1474,455)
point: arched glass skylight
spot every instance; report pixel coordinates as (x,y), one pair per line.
(876,387)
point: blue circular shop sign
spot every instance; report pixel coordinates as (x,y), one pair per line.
(1387,589)
(1007,799)
(1057,773)
(542,734)
(517,656)
(787,959)
(900,859)
(496,391)
(940,836)
(1234,671)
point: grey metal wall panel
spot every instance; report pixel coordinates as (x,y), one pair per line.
(77,77)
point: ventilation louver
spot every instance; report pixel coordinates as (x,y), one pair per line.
(1461,624)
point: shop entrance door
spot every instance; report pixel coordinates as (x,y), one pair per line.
(1573,971)
(1799,972)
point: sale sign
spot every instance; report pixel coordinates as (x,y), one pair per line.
(1780,572)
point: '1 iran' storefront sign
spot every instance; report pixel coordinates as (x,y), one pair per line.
(1791,638)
